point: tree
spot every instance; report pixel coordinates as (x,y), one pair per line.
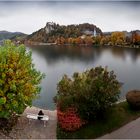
(78,40)
(117,38)
(88,40)
(105,40)
(135,38)
(91,92)
(19,80)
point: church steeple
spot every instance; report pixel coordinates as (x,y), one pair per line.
(94,32)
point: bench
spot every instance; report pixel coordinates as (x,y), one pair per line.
(44,118)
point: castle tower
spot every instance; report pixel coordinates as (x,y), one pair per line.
(49,27)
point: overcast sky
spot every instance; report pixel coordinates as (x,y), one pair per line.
(28,17)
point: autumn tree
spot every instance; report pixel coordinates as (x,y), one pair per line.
(79,40)
(91,93)
(105,40)
(117,38)
(88,40)
(135,38)
(69,40)
(97,40)
(19,80)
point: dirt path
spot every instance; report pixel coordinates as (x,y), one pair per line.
(36,129)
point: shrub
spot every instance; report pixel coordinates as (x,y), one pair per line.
(91,92)
(133,99)
(69,120)
(19,80)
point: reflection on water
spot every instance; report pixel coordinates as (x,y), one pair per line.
(55,61)
(53,54)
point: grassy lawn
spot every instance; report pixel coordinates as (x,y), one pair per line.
(116,117)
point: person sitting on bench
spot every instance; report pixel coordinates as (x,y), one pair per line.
(40,115)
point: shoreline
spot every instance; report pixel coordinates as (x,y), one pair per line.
(109,46)
(35,110)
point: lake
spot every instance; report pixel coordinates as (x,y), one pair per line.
(55,61)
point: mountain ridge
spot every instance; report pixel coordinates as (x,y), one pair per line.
(10,35)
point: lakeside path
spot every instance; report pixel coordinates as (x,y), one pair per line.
(128,131)
(36,129)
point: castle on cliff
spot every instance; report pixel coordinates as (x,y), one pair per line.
(49,27)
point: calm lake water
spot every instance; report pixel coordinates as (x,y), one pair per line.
(55,61)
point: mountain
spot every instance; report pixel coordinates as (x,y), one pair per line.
(10,35)
(52,31)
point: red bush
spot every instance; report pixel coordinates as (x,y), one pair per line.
(69,120)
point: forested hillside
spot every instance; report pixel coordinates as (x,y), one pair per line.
(53,32)
(10,35)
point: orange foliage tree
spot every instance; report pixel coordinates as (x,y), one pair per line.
(117,38)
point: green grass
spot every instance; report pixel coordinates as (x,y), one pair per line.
(116,117)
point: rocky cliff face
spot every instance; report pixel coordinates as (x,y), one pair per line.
(50,26)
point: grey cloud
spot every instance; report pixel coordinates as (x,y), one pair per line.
(30,16)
